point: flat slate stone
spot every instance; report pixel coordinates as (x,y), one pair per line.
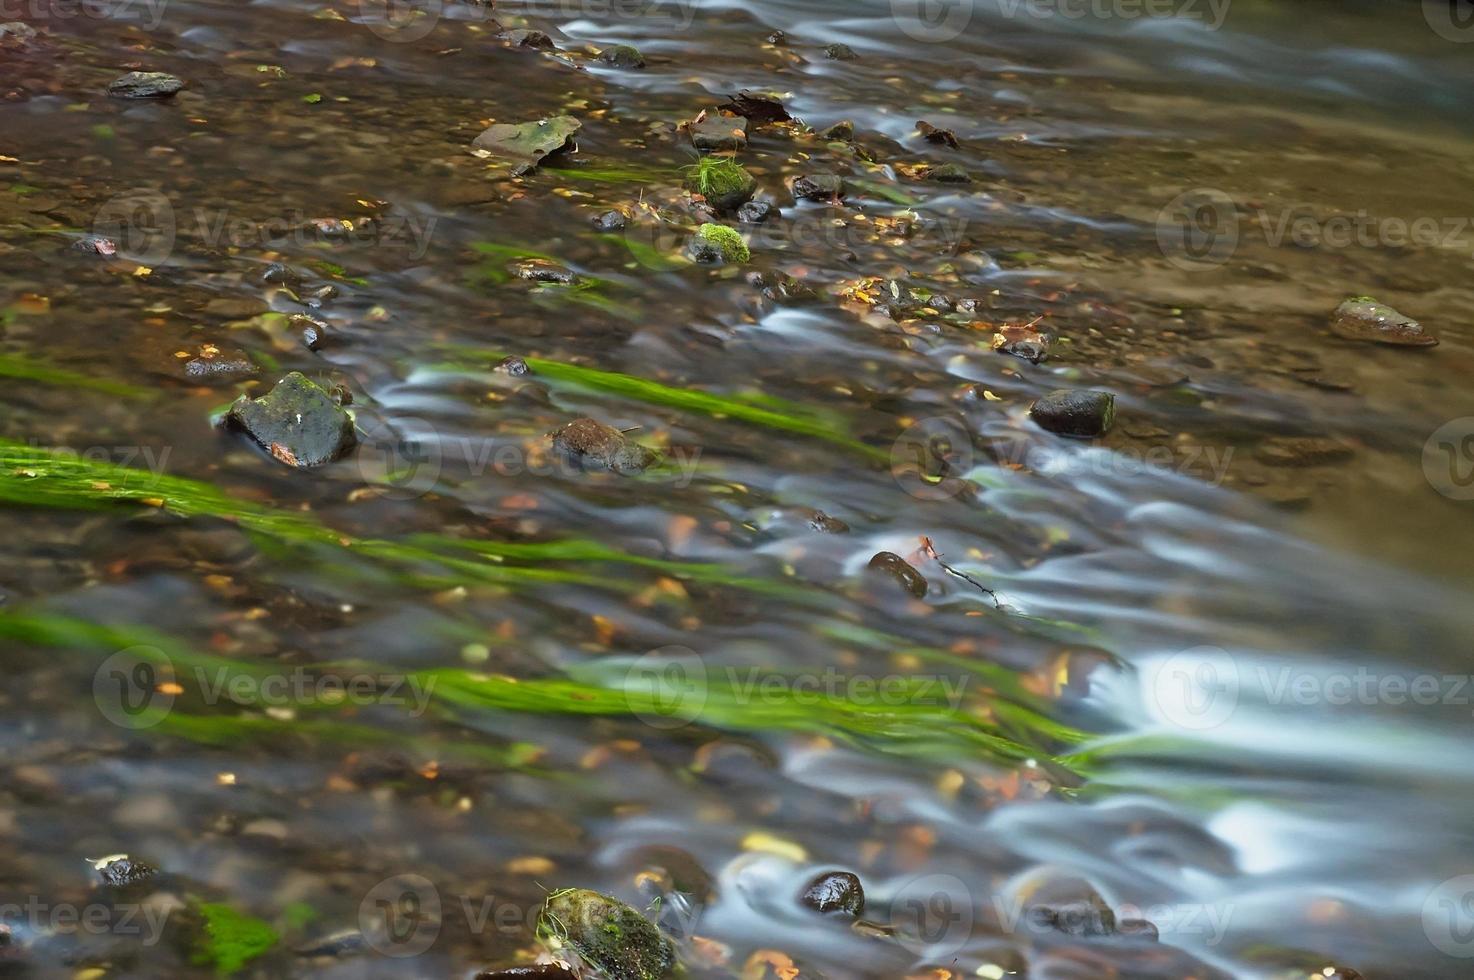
(145,85)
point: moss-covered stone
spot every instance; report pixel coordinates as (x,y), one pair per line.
(1363,318)
(591,441)
(718,243)
(298,422)
(607,934)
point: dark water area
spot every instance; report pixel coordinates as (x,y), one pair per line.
(1208,671)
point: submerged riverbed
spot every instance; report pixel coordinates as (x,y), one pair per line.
(1186,700)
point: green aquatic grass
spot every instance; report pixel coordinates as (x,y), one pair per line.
(39,477)
(761,410)
(917,719)
(29,369)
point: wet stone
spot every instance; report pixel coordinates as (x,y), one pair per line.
(607,934)
(219,367)
(16,31)
(298,422)
(1363,318)
(622,56)
(610,221)
(834,891)
(523,38)
(277,274)
(539,270)
(540,971)
(841,132)
(718,132)
(949,173)
(818,187)
(1080,414)
(95,245)
(889,565)
(590,441)
(121,871)
(756,212)
(145,85)
(513,365)
(840,52)
(1303,451)
(822,522)
(1080,919)
(937,135)
(715,244)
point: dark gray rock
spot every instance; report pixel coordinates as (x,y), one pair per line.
(818,187)
(297,422)
(145,85)
(513,365)
(1082,414)
(220,367)
(718,132)
(121,871)
(841,132)
(895,568)
(589,441)
(840,52)
(756,212)
(277,274)
(834,891)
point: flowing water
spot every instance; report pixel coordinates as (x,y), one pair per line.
(1221,685)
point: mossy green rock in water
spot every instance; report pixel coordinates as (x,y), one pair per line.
(298,422)
(723,182)
(718,243)
(525,145)
(607,934)
(622,56)
(1363,318)
(1081,414)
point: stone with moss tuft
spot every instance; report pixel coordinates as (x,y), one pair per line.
(298,422)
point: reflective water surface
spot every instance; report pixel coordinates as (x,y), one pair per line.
(1209,671)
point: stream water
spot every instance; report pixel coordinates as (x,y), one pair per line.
(377,710)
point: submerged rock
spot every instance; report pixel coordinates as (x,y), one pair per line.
(718,132)
(277,274)
(611,221)
(717,244)
(840,52)
(591,441)
(297,422)
(216,366)
(841,132)
(539,971)
(1303,451)
(622,56)
(1363,318)
(756,212)
(527,144)
(524,38)
(949,173)
(834,891)
(145,85)
(1082,414)
(607,934)
(513,365)
(541,270)
(825,524)
(95,245)
(818,187)
(893,566)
